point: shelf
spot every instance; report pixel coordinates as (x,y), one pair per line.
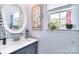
(63,30)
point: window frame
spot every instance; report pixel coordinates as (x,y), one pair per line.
(59,12)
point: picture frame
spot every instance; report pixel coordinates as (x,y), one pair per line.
(37,17)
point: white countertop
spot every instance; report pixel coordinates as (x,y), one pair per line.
(12,46)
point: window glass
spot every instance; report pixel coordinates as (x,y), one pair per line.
(60,18)
(63,14)
(54,17)
(63,20)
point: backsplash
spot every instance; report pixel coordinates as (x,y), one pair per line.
(2,30)
(12,35)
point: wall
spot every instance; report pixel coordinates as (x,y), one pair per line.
(54,41)
(51,41)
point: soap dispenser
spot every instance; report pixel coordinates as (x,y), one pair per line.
(27,33)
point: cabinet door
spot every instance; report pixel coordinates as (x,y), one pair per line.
(20,51)
(30,49)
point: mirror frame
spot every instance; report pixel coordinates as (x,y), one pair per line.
(5,23)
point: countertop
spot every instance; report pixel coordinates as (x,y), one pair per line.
(12,46)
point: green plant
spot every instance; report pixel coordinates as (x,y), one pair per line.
(53,25)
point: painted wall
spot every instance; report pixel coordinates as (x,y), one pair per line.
(54,41)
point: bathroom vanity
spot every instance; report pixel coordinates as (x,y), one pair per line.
(14,23)
(23,46)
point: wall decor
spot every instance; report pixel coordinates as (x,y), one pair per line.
(37,17)
(69,24)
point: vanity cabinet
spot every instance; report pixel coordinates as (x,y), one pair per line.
(30,49)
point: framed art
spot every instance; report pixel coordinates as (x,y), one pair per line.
(37,17)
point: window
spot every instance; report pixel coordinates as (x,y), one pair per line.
(63,20)
(66,16)
(60,17)
(54,17)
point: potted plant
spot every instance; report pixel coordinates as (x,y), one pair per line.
(53,25)
(69,26)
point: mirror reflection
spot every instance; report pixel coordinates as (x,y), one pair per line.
(14,17)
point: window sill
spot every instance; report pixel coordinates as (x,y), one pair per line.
(63,30)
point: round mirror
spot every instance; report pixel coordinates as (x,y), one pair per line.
(13,18)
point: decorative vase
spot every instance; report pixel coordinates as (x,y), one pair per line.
(69,26)
(27,33)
